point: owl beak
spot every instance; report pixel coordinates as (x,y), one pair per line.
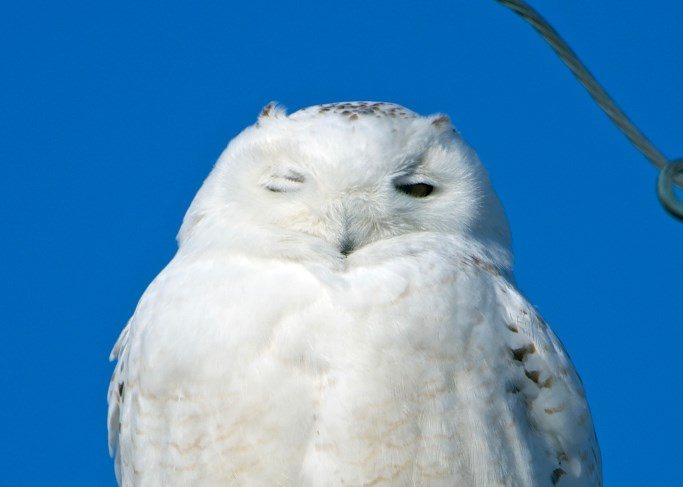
(347,245)
(348,237)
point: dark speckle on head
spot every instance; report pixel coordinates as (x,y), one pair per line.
(440,121)
(358,109)
(265,112)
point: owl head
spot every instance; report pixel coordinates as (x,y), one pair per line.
(330,180)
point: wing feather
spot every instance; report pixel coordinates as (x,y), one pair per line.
(115,395)
(553,392)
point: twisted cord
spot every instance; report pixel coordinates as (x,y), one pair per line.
(671,173)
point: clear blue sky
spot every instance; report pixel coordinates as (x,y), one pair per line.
(112,113)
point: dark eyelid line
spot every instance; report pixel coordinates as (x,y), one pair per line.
(284,182)
(294,177)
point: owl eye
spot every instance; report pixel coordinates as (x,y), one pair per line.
(284,183)
(418,190)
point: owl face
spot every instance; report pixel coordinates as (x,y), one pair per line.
(348,175)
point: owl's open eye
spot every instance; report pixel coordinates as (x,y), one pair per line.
(417,190)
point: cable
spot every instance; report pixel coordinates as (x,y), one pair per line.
(670,173)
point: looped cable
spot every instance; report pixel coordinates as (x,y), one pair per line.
(671,173)
(665,188)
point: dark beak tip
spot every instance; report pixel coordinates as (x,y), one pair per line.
(346,247)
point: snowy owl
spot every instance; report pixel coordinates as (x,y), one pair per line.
(341,311)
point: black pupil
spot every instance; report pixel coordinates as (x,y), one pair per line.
(419,190)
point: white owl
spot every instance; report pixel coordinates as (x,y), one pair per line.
(341,311)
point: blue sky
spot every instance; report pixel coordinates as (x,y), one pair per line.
(111,115)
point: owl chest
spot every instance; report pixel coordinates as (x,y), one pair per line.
(326,385)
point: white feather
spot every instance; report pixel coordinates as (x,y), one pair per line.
(264,355)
